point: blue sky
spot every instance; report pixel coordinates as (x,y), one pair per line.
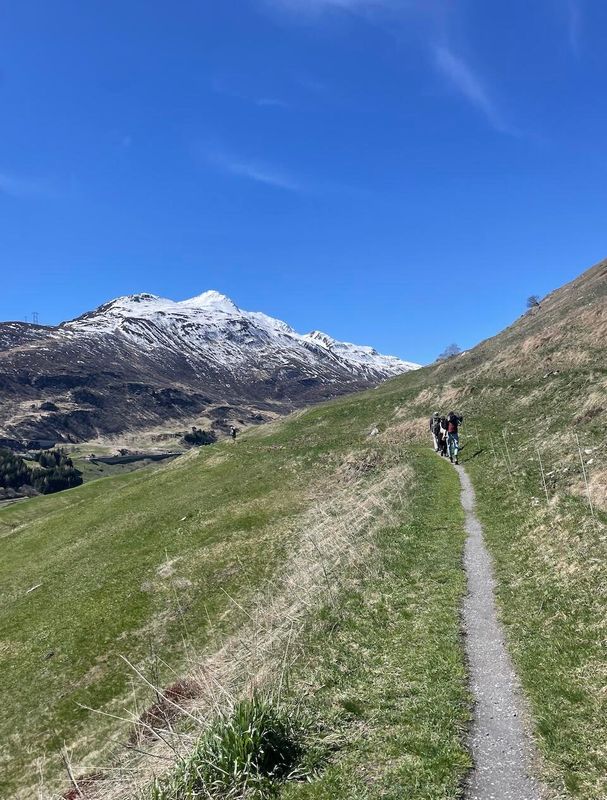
(402,173)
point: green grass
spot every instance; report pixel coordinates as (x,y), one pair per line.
(96,552)
(550,567)
(379,669)
(250,750)
(383,665)
(137,564)
(92,471)
(549,557)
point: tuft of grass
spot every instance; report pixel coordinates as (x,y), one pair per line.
(248,751)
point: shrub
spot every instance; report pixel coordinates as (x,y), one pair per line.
(450,352)
(199,437)
(251,750)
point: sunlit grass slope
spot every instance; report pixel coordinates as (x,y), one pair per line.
(534,400)
(162,566)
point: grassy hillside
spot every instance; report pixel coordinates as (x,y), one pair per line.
(535,399)
(316,556)
(173,568)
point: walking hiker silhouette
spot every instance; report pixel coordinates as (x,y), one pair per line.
(442,437)
(453,423)
(435,430)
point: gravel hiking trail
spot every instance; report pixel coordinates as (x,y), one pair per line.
(502,750)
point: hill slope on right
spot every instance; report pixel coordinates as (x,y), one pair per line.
(534,400)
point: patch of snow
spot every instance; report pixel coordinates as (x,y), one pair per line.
(212,300)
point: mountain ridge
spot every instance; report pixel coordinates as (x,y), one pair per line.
(140,360)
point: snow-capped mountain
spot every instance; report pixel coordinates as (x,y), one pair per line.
(142,359)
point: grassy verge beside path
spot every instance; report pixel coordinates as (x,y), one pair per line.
(384,665)
(548,549)
(551,592)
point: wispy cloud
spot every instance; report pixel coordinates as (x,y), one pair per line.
(264,173)
(271,102)
(254,170)
(315,7)
(465,80)
(20,187)
(226,88)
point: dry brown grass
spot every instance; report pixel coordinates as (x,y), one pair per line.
(411,430)
(597,488)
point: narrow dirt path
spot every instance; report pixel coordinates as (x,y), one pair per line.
(502,750)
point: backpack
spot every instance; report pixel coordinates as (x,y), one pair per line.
(454,420)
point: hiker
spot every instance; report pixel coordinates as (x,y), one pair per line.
(232,432)
(453,423)
(442,437)
(434,429)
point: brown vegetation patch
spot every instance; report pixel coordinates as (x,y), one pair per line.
(597,489)
(354,467)
(83,784)
(167,709)
(439,398)
(411,430)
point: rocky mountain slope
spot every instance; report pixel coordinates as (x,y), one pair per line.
(140,360)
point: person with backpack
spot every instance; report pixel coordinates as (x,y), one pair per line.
(435,429)
(442,437)
(453,423)
(233,432)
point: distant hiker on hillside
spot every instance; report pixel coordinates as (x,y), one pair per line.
(453,423)
(434,429)
(232,432)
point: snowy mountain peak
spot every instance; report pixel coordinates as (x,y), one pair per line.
(213,300)
(130,301)
(320,338)
(211,327)
(142,297)
(141,359)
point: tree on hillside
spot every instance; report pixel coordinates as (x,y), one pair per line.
(53,458)
(53,472)
(199,437)
(13,470)
(533,301)
(449,352)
